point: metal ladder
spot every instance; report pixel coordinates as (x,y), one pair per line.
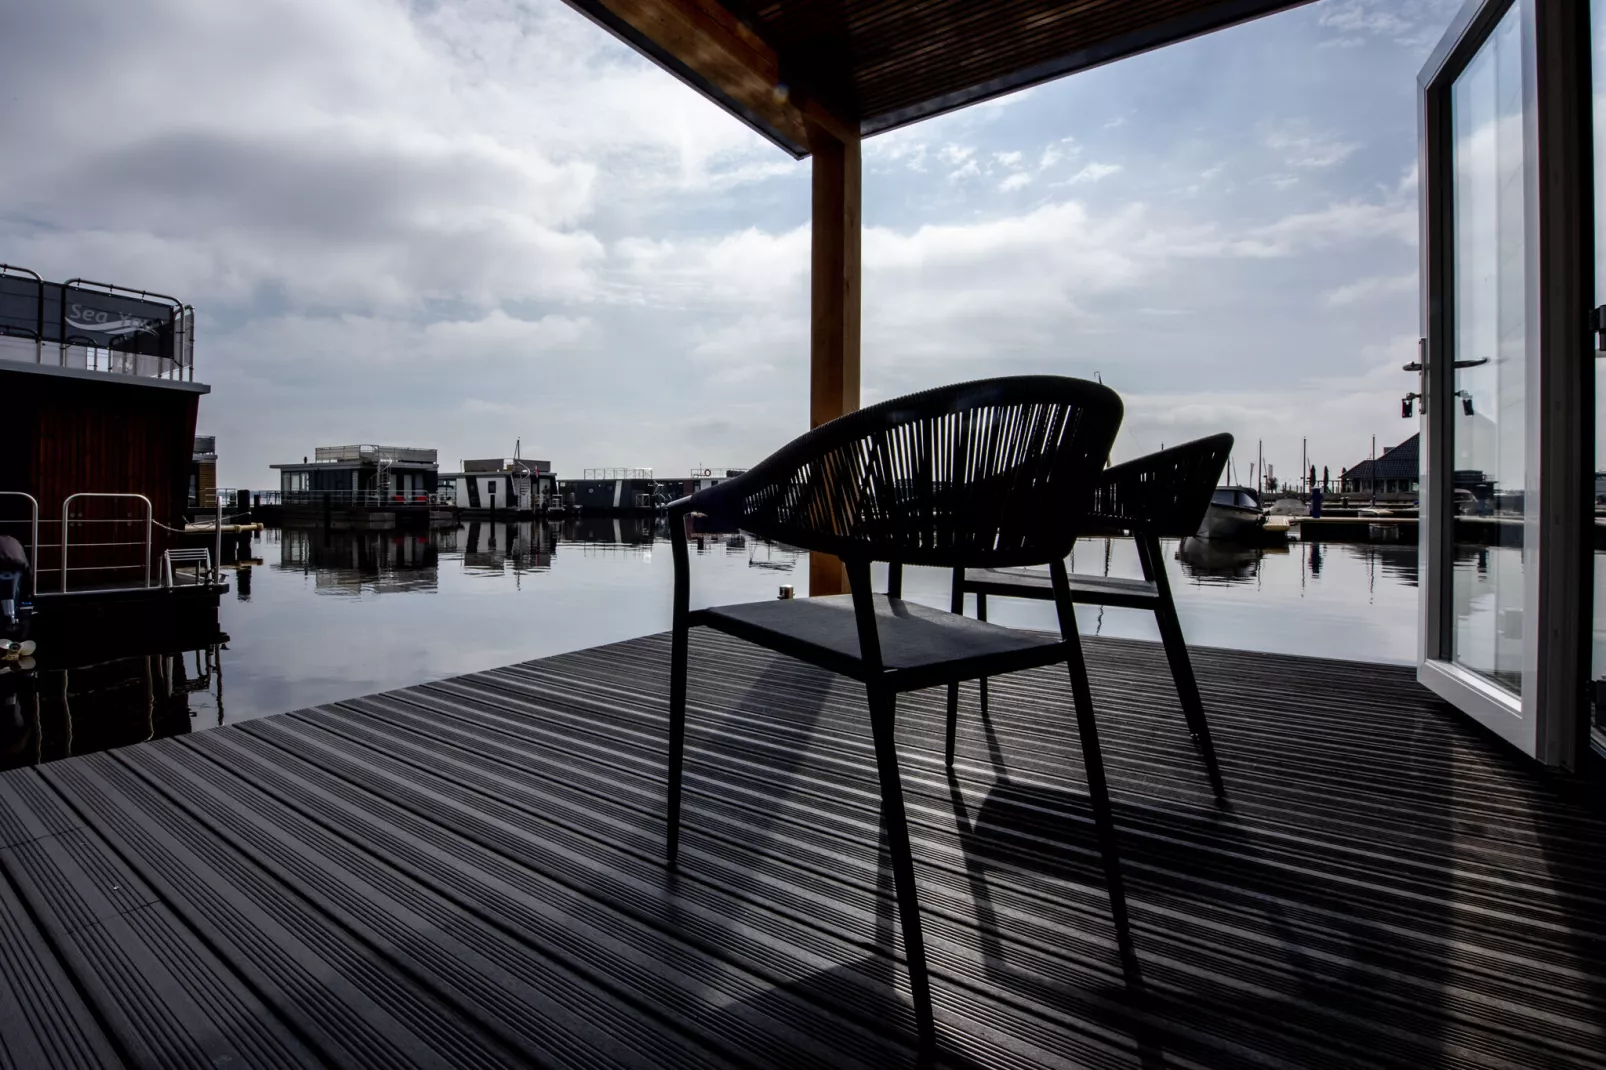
(197,560)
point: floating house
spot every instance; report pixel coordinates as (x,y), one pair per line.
(99,441)
(615,492)
(702,478)
(361,486)
(499,485)
(364,474)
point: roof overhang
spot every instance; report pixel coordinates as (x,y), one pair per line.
(786,67)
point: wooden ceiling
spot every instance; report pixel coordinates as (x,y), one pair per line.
(784,66)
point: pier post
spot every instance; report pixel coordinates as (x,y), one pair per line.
(834,297)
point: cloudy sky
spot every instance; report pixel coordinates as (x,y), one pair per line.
(462,223)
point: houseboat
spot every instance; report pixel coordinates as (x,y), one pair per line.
(615,492)
(703,478)
(513,485)
(360,486)
(98,436)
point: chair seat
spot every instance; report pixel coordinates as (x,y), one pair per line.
(1089,590)
(920,646)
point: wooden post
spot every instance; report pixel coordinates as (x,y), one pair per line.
(834,326)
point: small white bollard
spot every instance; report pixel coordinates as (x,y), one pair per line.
(786,591)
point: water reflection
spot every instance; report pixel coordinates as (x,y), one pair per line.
(356,563)
(1214,561)
(327,616)
(345,563)
(56,713)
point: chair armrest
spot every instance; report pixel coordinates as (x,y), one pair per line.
(1164,493)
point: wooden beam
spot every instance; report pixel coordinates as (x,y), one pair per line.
(713,51)
(834,296)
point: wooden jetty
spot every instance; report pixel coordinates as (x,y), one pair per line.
(469,873)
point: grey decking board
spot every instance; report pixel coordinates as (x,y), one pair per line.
(44,1019)
(1389,889)
(463,854)
(276,946)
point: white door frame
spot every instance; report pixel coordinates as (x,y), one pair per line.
(1548,719)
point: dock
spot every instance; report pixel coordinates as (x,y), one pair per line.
(469,873)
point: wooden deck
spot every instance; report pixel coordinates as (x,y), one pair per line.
(468,874)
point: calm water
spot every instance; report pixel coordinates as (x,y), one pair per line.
(328,616)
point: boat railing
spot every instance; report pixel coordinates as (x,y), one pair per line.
(33,525)
(66,531)
(616,473)
(375,499)
(32,340)
(370,452)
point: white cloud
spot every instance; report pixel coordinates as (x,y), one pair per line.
(1337,224)
(480,407)
(905,147)
(969,169)
(1093,172)
(1369,287)
(1365,16)
(1408,181)
(1416,25)
(1309,150)
(492,220)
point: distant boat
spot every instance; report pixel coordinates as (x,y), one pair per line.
(1234,513)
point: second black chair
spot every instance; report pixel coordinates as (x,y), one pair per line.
(1162,495)
(998,473)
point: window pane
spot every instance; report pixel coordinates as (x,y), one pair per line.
(1490,326)
(1597,30)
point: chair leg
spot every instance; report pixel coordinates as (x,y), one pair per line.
(956,604)
(1176,652)
(1093,761)
(883,713)
(981,614)
(953,722)
(677,730)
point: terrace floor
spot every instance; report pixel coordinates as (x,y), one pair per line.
(467,873)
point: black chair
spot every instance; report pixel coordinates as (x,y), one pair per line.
(1162,495)
(996,473)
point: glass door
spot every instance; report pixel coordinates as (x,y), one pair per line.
(1489,248)
(1595,494)
(1503,369)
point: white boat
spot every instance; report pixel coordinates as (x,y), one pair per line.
(1234,513)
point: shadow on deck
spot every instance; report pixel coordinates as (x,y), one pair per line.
(467,873)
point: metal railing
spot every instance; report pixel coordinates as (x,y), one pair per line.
(368,452)
(616,473)
(29,344)
(370,498)
(33,523)
(66,527)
